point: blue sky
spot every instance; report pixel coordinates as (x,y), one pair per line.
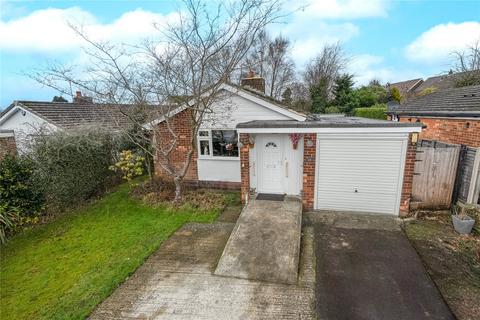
(387,40)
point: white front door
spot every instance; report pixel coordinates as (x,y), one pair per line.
(271,164)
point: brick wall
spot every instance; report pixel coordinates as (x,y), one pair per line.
(309,160)
(408,178)
(7,146)
(459,131)
(181,124)
(245,166)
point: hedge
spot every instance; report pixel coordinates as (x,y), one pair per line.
(72,167)
(374,112)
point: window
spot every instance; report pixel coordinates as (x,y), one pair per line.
(224,143)
(218,143)
(204,143)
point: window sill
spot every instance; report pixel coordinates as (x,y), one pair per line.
(219,158)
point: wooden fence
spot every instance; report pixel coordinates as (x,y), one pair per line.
(444,174)
(435,172)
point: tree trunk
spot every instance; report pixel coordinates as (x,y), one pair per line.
(178,189)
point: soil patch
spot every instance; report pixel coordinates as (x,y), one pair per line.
(452,260)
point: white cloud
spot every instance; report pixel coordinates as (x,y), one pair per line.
(47,30)
(310,41)
(343,9)
(366,67)
(438,42)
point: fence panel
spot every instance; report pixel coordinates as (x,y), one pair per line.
(435,173)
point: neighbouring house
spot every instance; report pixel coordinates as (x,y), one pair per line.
(410,89)
(22,120)
(331,163)
(406,88)
(450,115)
(7,143)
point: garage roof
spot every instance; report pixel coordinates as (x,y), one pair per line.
(329,122)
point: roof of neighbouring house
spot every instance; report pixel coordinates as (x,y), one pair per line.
(68,115)
(442,82)
(327,122)
(406,86)
(456,102)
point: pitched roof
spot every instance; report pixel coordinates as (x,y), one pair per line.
(67,115)
(442,82)
(456,102)
(406,86)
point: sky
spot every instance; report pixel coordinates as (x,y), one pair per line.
(386,40)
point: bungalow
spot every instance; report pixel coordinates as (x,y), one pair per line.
(22,120)
(335,163)
(450,115)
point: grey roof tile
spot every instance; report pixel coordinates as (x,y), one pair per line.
(450,102)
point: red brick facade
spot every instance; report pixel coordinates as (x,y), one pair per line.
(449,130)
(7,146)
(181,124)
(408,177)
(309,160)
(245,166)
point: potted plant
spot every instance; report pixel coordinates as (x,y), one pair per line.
(462,223)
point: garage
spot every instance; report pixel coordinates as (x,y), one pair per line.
(335,163)
(360,173)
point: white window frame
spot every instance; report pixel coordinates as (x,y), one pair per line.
(210,144)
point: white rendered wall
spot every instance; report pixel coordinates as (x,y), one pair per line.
(226,114)
(25,126)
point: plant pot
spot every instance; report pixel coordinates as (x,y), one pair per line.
(295,145)
(462,226)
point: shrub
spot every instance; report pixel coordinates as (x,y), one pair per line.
(130,165)
(376,111)
(20,198)
(72,166)
(396,95)
(17,189)
(332,109)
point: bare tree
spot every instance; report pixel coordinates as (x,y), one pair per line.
(183,72)
(326,66)
(467,65)
(271,59)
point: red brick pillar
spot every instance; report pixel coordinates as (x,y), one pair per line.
(245,166)
(408,178)
(309,160)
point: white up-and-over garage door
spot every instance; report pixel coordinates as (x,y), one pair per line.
(361,174)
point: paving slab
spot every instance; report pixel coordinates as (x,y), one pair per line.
(265,243)
(176,282)
(368,270)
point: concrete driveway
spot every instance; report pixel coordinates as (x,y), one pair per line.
(367,269)
(177,282)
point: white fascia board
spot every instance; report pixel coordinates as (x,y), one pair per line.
(10,113)
(332,130)
(18,108)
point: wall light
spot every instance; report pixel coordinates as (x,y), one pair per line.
(414,137)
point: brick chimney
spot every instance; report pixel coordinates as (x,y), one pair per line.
(79,99)
(254,82)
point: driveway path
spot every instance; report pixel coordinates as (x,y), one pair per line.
(367,269)
(265,243)
(176,282)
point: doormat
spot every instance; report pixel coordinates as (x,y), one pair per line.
(270,196)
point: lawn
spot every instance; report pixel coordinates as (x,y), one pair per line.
(452,260)
(63,269)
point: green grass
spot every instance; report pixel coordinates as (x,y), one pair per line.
(63,269)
